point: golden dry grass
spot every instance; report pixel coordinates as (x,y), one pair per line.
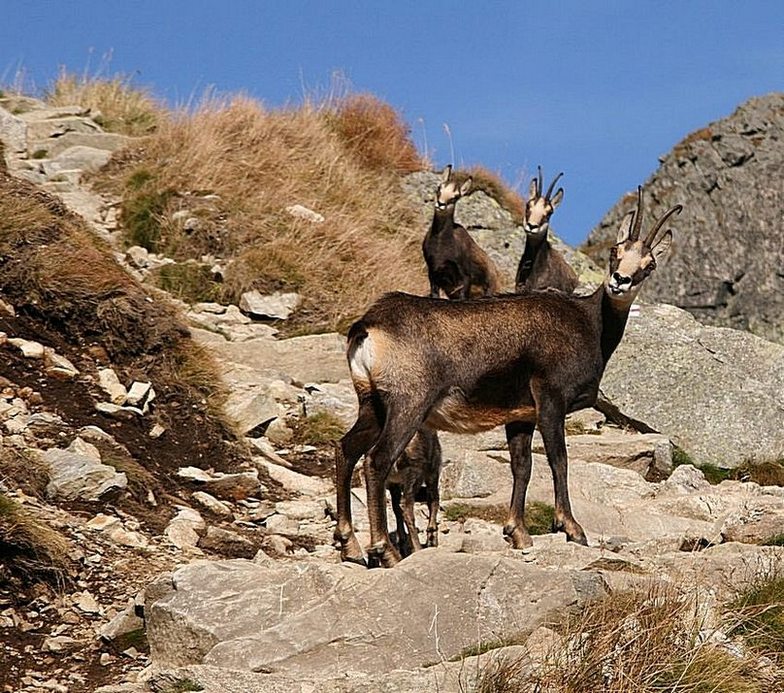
(119,105)
(29,549)
(643,640)
(242,165)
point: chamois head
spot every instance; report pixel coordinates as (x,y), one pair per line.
(632,259)
(449,192)
(540,206)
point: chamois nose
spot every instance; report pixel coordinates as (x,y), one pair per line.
(618,278)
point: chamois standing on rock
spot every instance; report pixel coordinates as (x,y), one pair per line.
(455,263)
(466,366)
(541,266)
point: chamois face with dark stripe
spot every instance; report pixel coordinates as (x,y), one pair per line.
(541,205)
(449,192)
(633,259)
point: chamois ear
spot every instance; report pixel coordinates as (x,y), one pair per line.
(555,200)
(446,174)
(661,248)
(465,188)
(533,191)
(625,228)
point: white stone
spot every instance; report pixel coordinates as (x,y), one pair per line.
(302,212)
(138,393)
(274,306)
(29,349)
(111,385)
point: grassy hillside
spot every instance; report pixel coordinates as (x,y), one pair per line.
(217,182)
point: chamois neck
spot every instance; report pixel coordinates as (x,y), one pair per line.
(535,247)
(614,314)
(443,219)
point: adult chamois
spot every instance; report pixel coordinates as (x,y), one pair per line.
(541,266)
(466,366)
(455,263)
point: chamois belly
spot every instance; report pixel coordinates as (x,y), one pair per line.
(454,413)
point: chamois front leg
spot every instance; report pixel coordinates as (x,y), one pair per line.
(398,431)
(518,437)
(435,291)
(410,484)
(551,426)
(397,494)
(351,447)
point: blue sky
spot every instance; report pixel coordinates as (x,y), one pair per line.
(597,89)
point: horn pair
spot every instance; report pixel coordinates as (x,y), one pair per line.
(540,183)
(637,225)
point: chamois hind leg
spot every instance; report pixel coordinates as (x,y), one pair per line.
(400,426)
(396,493)
(518,437)
(351,447)
(433,502)
(551,426)
(410,486)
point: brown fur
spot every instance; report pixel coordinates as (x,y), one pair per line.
(455,263)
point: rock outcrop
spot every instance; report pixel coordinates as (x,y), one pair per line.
(727,267)
(717,393)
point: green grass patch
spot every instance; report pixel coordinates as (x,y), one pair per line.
(775,540)
(769,473)
(189,281)
(538,516)
(760,616)
(143,211)
(39,154)
(713,473)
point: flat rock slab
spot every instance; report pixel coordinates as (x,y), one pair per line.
(717,393)
(314,358)
(77,476)
(320,620)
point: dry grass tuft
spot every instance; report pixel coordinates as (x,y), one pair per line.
(492,184)
(29,550)
(759,614)
(769,473)
(21,470)
(243,165)
(642,640)
(538,516)
(375,133)
(120,106)
(319,429)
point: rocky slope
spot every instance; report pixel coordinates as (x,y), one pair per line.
(728,264)
(229,582)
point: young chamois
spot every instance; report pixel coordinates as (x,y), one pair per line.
(455,263)
(466,366)
(541,266)
(419,464)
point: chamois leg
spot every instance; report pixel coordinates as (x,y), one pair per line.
(410,485)
(551,426)
(435,292)
(518,437)
(433,503)
(351,447)
(403,542)
(398,431)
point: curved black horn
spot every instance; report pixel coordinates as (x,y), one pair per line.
(552,185)
(541,181)
(652,233)
(635,232)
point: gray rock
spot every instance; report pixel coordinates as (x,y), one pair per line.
(111,385)
(474,476)
(185,529)
(234,486)
(13,132)
(77,476)
(208,502)
(80,158)
(277,306)
(124,623)
(311,619)
(227,543)
(29,349)
(726,268)
(702,387)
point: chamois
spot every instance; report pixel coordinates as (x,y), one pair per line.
(455,263)
(420,464)
(541,266)
(466,366)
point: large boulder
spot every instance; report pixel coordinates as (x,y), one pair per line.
(716,393)
(317,619)
(726,268)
